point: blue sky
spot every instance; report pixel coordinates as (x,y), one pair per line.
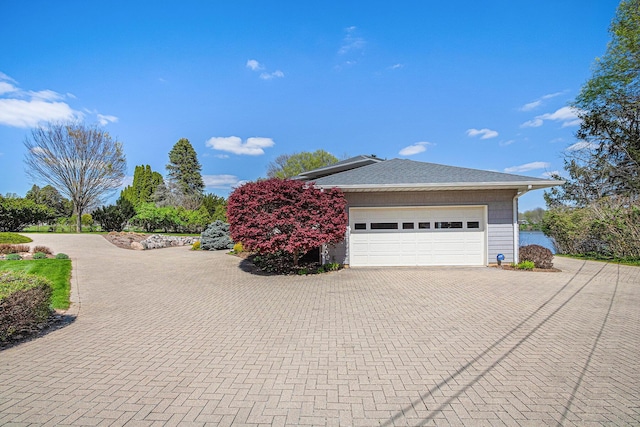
(475,84)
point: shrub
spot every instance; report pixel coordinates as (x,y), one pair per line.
(24,303)
(14,238)
(13,249)
(332,266)
(540,256)
(237,248)
(17,213)
(42,249)
(526,265)
(216,237)
(13,257)
(39,255)
(62,256)
(114,217)
(280,262)
(303,271)
(196,246)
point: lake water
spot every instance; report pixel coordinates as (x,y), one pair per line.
(536,238)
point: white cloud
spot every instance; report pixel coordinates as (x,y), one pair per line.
(416,148)
(567,115)
(484,133)
(6,88)
(105,120)
(233,144)
(505,143)
(222,156)
(538,102)
(3,76)
(397,66)
(582,145)
(45,95)
(254,65)
(528,167)
(21,113)
(269,76)
(550,174)
(220,181)
(351,42)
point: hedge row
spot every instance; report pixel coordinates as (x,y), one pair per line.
(25,302)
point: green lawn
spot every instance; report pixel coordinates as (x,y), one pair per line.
(631,262)
(58,271)
(13,238)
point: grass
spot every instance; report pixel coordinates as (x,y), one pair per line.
(13,238)
(623,261)
(58,271)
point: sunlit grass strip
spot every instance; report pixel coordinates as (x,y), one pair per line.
(58,271)
(13,238)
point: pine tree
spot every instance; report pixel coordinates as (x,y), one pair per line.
(184,169)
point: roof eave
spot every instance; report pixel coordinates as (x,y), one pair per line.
(515,185)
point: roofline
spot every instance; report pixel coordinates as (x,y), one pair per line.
(508,185)
(341,167)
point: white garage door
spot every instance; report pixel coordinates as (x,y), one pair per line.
(418,236)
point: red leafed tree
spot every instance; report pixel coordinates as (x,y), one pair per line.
(286,215)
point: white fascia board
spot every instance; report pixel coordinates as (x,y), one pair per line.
(517,185)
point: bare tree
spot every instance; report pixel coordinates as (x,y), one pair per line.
(84,162)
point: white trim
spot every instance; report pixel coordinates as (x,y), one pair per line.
(518,185)
(516,230)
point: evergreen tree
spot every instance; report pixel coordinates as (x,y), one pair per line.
(145,183)
(184,169)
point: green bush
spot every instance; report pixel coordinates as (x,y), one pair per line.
(526,265)
(303,271)
(539,255)
(216,237)
(13,257)
(14,238)
(196,246)
(62,256)
(24,303)
(332,266)
(17,213)
(39,255)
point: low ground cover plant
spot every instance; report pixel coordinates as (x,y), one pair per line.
(39,255)
(25,302)
(13,238)
(42,249)
(57,271)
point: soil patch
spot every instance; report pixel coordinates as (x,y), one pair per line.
(123,239)
(539,270)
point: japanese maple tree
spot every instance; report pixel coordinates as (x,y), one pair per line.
(286,215)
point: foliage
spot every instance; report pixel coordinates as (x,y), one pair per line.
(216,207)
(525,265)
(50,197)
(238,248)
(57,271)
(532,219)
(216,237)
(184,170)
(170,218)
(39,255)
(606,160)
(7,248)
(279,262)
(332,266)
(290,165)
(145,183)
(6,237)
(17,213)
(43,249)
(275,215)
(609,228)
(539,255)
(115,217)
(83,161)
(13,257)
(62,256)
(24,303)
(196,246)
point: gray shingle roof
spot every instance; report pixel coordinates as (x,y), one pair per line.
(344,165)
(397,172)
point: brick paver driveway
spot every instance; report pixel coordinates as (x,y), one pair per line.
(179,337)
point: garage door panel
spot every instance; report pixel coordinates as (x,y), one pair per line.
(419,246)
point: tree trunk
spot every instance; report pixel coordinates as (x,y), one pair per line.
(295,258)
(79,220)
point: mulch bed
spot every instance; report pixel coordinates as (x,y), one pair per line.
(538,270)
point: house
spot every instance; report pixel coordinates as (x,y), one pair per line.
(408,213)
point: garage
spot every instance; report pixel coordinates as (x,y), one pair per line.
(418,236)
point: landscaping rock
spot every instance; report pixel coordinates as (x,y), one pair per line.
(137,246)
(158,241)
